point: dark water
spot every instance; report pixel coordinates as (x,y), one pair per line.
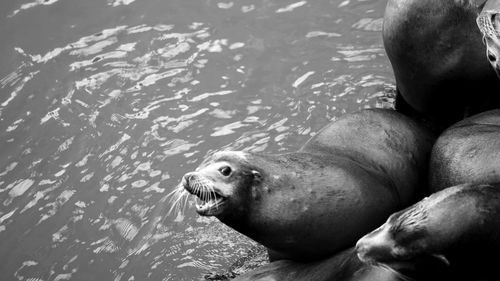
(104,105)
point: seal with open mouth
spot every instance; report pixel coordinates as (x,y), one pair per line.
(467,152)
(458,225)
(312,203)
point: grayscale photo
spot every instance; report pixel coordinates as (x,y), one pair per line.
(249,140)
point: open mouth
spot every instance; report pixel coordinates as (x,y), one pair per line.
(210,205)
(209,202)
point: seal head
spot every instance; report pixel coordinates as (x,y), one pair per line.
(489,24)
(216,183)
(458,226)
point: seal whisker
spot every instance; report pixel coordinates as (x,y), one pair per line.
(181,203)
(196,189)
(208,192)
(175,198)
(213,194)
(206,195)
(175,202)
(185,204)
(174,195)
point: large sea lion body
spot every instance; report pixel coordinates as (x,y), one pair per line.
(313,203)
(468,151)
(459,225)
(438,59)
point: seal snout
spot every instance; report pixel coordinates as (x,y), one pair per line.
(197,184)
(187,179)
(209,200)
(375,247)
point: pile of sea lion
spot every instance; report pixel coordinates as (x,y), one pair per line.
(317,209)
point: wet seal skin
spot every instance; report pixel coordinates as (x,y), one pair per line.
(437,54)
(310,204)
(458,226)
(467,152)
(344,266)
(489,24)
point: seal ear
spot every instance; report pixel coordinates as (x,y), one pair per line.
(257,176)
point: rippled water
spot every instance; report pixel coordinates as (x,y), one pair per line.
(104,105)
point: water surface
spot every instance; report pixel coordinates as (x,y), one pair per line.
(104,105)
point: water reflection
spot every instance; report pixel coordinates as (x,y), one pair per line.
(103,111)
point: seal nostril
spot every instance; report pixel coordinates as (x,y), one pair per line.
(362,253)
(188,177)
(491,57)
(360,249)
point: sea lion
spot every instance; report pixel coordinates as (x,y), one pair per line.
(437,55)
(459,225)
(344,266)
(489,24)
(468,151)
(312,203)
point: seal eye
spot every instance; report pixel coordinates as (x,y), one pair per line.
(225,171)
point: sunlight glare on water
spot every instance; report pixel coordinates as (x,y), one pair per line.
(104,105)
